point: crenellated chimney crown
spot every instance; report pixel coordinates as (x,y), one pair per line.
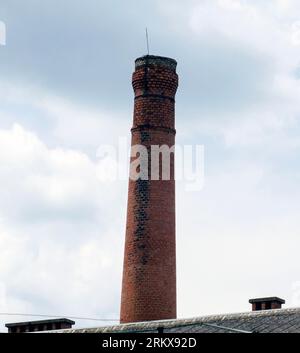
(154,82)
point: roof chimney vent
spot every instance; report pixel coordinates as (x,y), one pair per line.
(41,325)
(266,303)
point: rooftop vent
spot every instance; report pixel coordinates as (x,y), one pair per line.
(42,325)
(266,303)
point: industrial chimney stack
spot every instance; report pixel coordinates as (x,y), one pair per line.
(149,273)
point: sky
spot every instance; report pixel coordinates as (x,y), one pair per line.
(65,87)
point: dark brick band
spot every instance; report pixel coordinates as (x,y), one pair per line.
(156,128)
(172,99)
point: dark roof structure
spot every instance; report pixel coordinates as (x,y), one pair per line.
(40,325)
(26,323)
(268,299)
(265,321)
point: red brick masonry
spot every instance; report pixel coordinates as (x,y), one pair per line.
(149,273)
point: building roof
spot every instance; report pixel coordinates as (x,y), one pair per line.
(266,321)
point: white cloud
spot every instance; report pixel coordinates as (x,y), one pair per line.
(2,33)
(81,125)
(57,119)
(52,179)
(60,248)
(241,242)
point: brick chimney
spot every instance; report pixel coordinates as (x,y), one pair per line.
(266,303)
(149,272)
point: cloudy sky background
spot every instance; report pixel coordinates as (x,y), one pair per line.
(65,89)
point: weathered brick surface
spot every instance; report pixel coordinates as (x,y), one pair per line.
(149,274)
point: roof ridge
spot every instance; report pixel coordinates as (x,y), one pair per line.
(185,322)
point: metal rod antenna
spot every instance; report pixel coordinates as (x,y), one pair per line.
(147,40)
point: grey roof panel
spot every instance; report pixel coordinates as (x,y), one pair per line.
(267,321)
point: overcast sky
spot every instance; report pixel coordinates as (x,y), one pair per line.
(65,88)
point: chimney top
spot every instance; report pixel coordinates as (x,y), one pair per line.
(266,303)
(155,60)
